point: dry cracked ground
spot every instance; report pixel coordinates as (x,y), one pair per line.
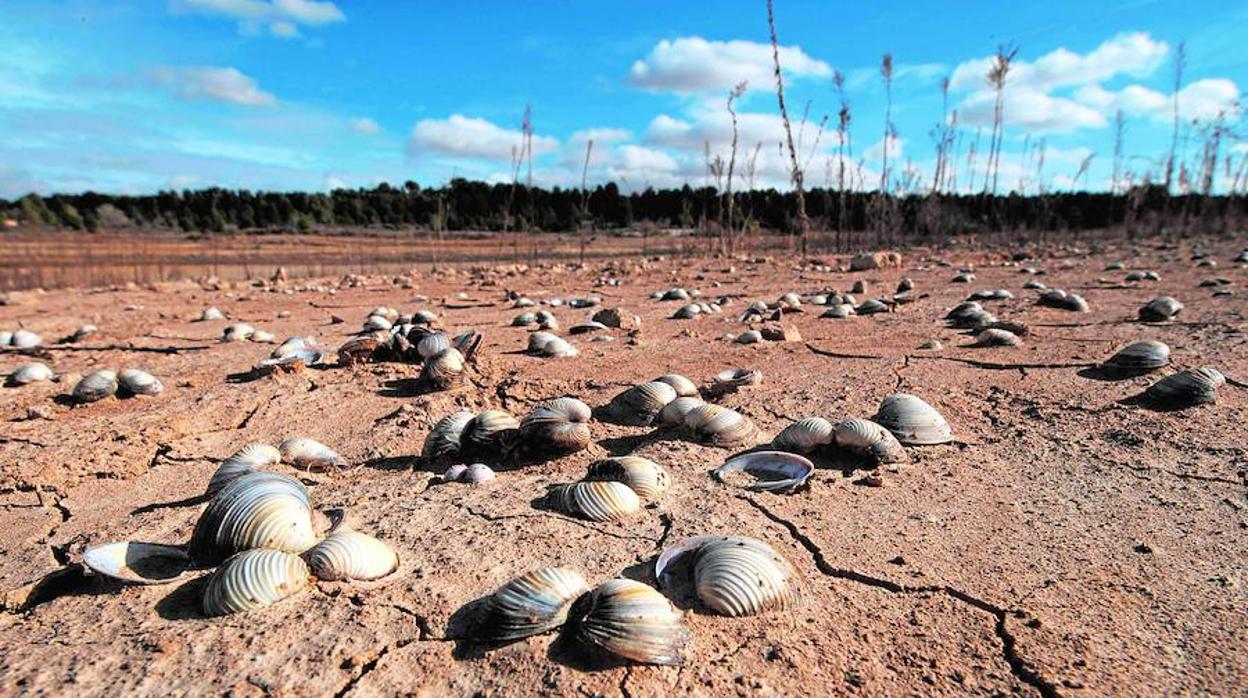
(1070,542)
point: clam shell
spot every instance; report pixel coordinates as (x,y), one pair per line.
(1160,309)
(25,339)
(424,317)
(804,435)
(683,386)
(645,477)
(358,349)
(1057,298)
(248,459)
(721,426)
(559,347)
(255,510)
(871,307)
(912,421)
(774,471)
(738,377)
(96,386)
(442,369)
(743,577)
(673,413)
(640,404)
(293,346)
(211,314)
(561,424)
(749,337)
(32,372)
(239,332)
(905,284)
(432,343)
(347,554)
(252,580)
(632,620)
(675,294)
(524,319)
(597,500)
(477,473)
(866,438)
(376,322)
(1186,388)
(310,455)
(963,278)
(531,604)
(1143,356)
(996,337)
(485,431)
(686,312)
(453,473)
(138,563)
(137,382)
(443,439)
(838,311)
(538,341)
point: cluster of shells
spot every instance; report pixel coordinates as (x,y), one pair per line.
(673,400)
(260,532)
(390,336)
(97,385)
(242,332)
(21,340)
(557,426)
(613,489)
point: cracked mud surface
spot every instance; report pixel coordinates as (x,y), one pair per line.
(1069,542)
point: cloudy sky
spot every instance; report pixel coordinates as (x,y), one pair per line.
(306,94)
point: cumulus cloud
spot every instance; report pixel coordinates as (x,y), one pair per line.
(1200,101)
(282,17)
(694,64)
(214,84)
(365,126)
(471,137)
(1033,110)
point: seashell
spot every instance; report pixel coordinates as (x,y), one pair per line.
(872,306)
(773,471)
(1115,266)
(432,343)
(673,413)
(524,319)
(539,340)
(358,349)
(866,438)
(632,620)
(346,554)
(686,312)
(1134,276)
(545,316)
(1160,309)
(81,333)
(559,347)
(137,382)
(932,344)
(293,346)
(684,387)
(912,421)
(860,286)
(1057,298)
(523,302)
(561,425)
(485,431)
(1139,357)
(477,473)
(675,294)
(32,372)
(905,284)
(96,386)
(750,337)
(804,435)
(734,576)
(25,339)
(1032,284)
(996,337)
(442,369)
(737,377)
(254,579)
(531,604)
(424,317)
(599,500)
(991,295)
(310,455)
(640,404)
(1186,388)
(720,426)
(845,299)
(295,358)
(586,327)
(239,332)
(255,510)
(964,278)
(839,311)
(248,459)
(443,439)
(263,337)
(453,473)
(789,300)
(385,312)
(645,477)
(138,563)
(376,322)
(211,313)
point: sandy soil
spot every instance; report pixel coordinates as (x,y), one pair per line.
(1068,543)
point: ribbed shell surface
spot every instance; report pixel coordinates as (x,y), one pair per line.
(1191,387)
(310,454)
(634,621)
(252,580)
(640,404)
(738,579)
(598,500)
(645,477)
(432,343)
(532,603)
(443,438)
(912,420)
(1145,354)
(256,510)
(443,368)
(804,435)
(560,424)
(673,413)
(247,459)
(866,438)
(351,555)
(484,429)
(96,386)
(683,386)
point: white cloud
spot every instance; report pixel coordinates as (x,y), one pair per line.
(693,64)
(472,137)
(1033,110)
(1134,54)
(333,182)
(1201,100)
(282,17)
(214,84)
(875,152)
(365,126)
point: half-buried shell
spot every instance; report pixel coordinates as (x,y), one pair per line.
(309,454)
(772,471)
(597,500)
(560,425)
(248,459)
(254,579)
(96,386)
(1138,358)
(32,372)
(347,554)
(640,404)
(444,438)
(485,433)
(256,510)
(1186,388)
(804,435)
(997,337)
(866,438)
(645,477)
(683,386)
(673,413)
(631,620)
(720,426)
(912,421)
(531,604)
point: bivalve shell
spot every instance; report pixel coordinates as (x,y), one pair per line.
(531,604)
(1186,388)
(804,435)
(1160,309)
(597,500)
(96,386)
(1139,357)
(561,424)
(737,576)
(772,471)
(912,421)
(485,432)
(443,440)
(137,382)
(138,563)
(347,554)
(866,438)
(684,387)
(442,369)
(645,477)
(673,413)
(640,404)
(33,372)
(632,620)
(248,459)
(997,337)
(254,579)
(721,426)
(255,510)
(310,455)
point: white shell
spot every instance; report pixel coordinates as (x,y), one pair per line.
(738,377)
(912,421)
(774,471)
(432,343)
(239,332)
(255,510)
(310,454)
(645,477)
(96,386)
(254,579)
(477,473)
(347,554)
(248,459)
(137,382)
(211,313)
(866,438)
(558,347)
(733,576)
(561,424)
(683,386)
(996,337)
(720,426)
(32,372)
(25,339)
(673,413)
(138,563)
(804,435)
(597,500)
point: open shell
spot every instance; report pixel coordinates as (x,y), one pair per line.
(443,440)
(721,426)
(561,424)
(1139,357)
(138,563)
(347,554)
(137,382)
(645,477)
(773,471)
(804,435)
(1186,388)
(248,459)
(254,579)
(597,500)
(256,510)
(310,455)
(912,421)
(531,604)
(96,386)
(866,438)
(632,620)
(737,377)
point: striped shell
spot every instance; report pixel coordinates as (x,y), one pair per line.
(358,349)
(252,580)
(485,431)
(738,377)
(32,372)
(673,413)
(640,404)
(645,477)
(248,459)
(531,604)
(138,563)
(561,424)
(442,369)
(632,620)
(443,438)
(432,343)
(996,337)
(256,510)
(1160,309)
(136,382)
(683,386)
(734,576)
(310,455)
(597,500)
(1186,388)
(912,421)
(424,317)
(376,322)
(772,471)
(720,426)
(96,386)
(347,554)
(866,438)
(1139,357)
(804,435)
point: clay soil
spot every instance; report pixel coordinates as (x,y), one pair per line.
(1069,542)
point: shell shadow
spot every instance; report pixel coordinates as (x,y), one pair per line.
(183,603)
(71,580)
(249,376)
(571,652)
(1141,400)
(404,387)
(467,627)
(392,463)
(624,445)
(1106,375)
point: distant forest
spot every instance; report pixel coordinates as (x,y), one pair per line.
(464,205)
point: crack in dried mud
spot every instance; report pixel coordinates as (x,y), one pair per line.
(1018,666)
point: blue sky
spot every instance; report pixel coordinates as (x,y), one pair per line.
(305,94)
